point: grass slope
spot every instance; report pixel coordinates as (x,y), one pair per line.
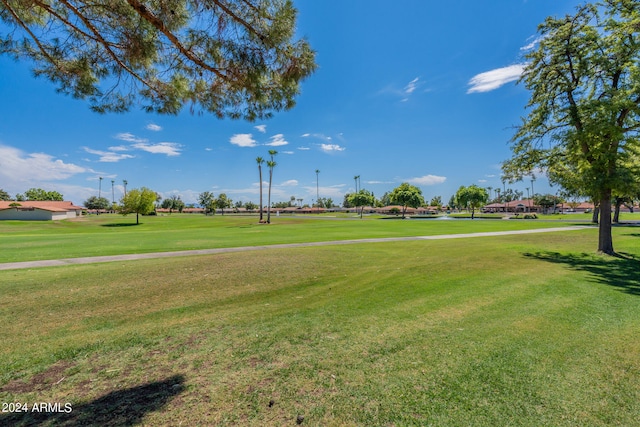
(515,330)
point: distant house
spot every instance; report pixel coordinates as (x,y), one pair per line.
(38,210)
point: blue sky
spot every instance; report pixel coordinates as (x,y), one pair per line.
(415,90)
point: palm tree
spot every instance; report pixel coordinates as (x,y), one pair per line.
(124,183)
(260,161)
(317,189)
(113,193)
(355,178)
(271,164)
(100,188)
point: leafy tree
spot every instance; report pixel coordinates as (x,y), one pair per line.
(4,195)
(453,203)
(345,201)
(97,203)
(406,195)
(206,199)
(233,58)
(139,201)
(40,195)
(436,202)
(361,199)
(20,197)
(472,197)
(584,104)
(545,201)
(250,206)
(223,202)
(173,203)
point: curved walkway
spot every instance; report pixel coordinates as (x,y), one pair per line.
(130,257)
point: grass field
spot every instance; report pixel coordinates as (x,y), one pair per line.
(115,234)
(524,330)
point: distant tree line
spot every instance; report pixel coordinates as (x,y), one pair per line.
(32,194)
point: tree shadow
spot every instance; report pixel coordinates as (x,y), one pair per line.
(620,271)
(118,408)
(120,224)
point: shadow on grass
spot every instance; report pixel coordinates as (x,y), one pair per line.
(118,408)
(121,224)
(620,271)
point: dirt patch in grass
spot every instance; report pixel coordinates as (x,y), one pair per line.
(45,380)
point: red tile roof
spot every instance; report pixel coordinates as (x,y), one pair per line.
(47,205)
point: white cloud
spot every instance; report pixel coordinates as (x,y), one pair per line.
(286,152)
(304,148)
(168,148)
(290,183)
(411,86)
(306,135)
(491,80)
(129,137)
(243,140)
(277,140)
(482,181)
(328,148)
(17,166)
(320,136)
(108,156)
(534,41)
(154,127)
(427,180)
(118,148)
(335,192)
(261,128)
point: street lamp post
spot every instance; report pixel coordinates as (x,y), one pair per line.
(318,189)
(100,187)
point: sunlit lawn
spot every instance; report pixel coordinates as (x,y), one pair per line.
(524,330)
(115,234)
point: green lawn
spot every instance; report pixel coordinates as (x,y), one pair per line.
(115,234)
(525,330)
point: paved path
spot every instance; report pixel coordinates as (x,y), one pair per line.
(129,257)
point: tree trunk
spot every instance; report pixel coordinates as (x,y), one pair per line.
(473,213)
(616,214)
(605,240)
(596,214)
(137,218)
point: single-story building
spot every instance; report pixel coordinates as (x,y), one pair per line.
(38,210)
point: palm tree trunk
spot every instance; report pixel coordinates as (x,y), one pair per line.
(269,197)
(260,172)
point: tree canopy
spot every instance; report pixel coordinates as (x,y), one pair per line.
(232,58)
(406,195)
(98,203)
(139,201)
(361,199)
(40,194)
(584,116)
(471,197)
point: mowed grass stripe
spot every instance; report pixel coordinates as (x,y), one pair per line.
(113,234)
(509,330)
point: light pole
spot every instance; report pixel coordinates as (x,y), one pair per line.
(124,182)
(532,192)
(113,193)
(100,187)
(529,199)
(318,189)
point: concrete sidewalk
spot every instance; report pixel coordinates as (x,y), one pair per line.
(131,257)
